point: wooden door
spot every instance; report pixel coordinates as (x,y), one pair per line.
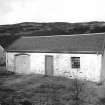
(49,65)
(22,64)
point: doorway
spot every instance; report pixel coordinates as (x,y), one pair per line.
(49,65)
(22,63)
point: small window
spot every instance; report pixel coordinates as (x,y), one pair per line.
(75,62)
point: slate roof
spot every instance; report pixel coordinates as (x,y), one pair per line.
(80,43)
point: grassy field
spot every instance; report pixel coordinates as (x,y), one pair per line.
(43,90)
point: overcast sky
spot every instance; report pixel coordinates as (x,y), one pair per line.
(16,11)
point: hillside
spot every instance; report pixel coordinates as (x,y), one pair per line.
(31,28)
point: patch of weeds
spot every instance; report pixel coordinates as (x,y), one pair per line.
(48,93)
(102,101)
(6,73)
(100,83)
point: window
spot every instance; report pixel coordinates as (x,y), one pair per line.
(75,62)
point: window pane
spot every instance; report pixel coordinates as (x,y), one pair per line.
(75,61)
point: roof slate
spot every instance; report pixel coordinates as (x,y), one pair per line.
(80,43)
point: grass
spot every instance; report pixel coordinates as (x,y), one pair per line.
(43,90)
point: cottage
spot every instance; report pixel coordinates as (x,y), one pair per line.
(74,56)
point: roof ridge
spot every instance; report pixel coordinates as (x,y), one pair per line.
(89,34)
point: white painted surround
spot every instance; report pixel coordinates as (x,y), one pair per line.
(90,65)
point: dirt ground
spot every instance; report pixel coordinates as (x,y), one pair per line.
(44,90)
